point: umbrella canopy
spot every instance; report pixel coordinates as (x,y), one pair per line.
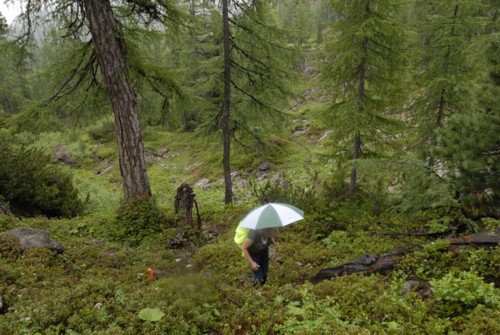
(271,216)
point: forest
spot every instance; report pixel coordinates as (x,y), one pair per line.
(136,135)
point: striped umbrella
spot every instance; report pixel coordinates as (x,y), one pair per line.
(271,215)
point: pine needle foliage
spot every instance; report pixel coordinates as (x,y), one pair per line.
(365,74)
(453,59)
(260,74)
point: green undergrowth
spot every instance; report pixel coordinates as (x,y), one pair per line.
(97,286)
(100,283)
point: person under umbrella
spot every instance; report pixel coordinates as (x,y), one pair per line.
(257,231)
(256,251)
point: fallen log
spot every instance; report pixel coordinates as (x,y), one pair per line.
(489,238)
(384,263)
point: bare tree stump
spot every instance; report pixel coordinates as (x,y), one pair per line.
(184,201)
(184,204)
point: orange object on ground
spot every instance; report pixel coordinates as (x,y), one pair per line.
(151,273)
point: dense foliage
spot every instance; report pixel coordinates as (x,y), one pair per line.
(33,186)
(381,125)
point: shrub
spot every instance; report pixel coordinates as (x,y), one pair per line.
(463,290)
(103,131)
(9,247)
(31,185)
(56,196)
(7,222)
(137,218)
(431,262)
(312,316)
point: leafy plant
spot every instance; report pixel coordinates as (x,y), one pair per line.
(490,223)
(136,219)
(463,290)
(440,225)
(151,314)
(312,316)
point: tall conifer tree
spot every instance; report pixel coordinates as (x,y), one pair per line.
(450,67)
(365,75)
(108,25)
(251,89)
(468,143)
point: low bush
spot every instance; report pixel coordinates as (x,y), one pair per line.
(32,186)
(103,131)
(463,290)
(136,219)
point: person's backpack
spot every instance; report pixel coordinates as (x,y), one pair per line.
(240,236)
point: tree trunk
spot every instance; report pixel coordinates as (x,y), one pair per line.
(110,51)
(361,109)
(357,148)
(226,115)
(439,122)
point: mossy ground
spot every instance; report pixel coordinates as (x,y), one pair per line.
(99,287)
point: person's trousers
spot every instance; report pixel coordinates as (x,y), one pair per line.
(260,276)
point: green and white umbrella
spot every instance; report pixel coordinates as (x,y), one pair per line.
(271,215)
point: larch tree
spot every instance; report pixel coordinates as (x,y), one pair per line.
(107,24)
(364,72)
(451,65)
(468,142)
(250,90)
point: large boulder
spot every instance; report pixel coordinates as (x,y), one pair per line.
(34,238)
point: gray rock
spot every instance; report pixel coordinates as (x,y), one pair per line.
(410,286)
(35,238)
(265,166)
(278,179)
(421,288)
(242,184)
(299,131)
(203,183)
(60,155)
(150,159)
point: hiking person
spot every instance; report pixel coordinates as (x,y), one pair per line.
(255,248)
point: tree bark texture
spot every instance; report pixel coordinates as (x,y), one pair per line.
(111,54)
(384,263)
(226,112)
